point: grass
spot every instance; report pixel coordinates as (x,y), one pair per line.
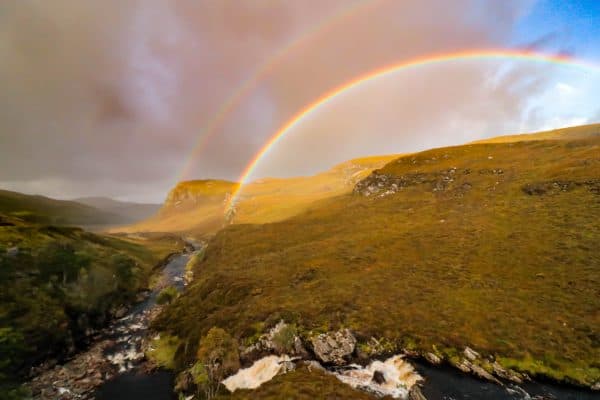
(199,206)
(43,210)
(464,254)
(57,282)
(162,351)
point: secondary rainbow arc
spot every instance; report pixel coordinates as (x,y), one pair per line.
(388,70)
(236,98)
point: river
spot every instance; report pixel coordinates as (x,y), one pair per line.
(118,355)
(131,383)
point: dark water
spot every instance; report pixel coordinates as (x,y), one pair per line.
(446,383)
(133,386)
(128,333)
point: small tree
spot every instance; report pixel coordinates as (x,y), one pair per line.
(217,358)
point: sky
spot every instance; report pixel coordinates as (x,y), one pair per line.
(112,98)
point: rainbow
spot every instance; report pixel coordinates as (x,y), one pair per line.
(216,123)
(328,97)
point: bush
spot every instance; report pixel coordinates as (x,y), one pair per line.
(284,338)
(167,295)
(162,351)
(217,358)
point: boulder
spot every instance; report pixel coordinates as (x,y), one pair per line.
(416,394)
(334,347)
(281,339)
(471,354)
(433,358)
(503,373)
(378,377)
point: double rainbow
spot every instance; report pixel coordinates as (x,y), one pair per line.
(328,97)
(235,99)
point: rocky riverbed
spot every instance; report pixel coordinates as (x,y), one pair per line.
(116,350)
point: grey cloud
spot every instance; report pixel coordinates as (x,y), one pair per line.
(112,96)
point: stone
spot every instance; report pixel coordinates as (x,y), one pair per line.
(433,358)
(378,377)
(313,365)
(503,373)
(416,394)
(471,354)
(12,251)
(267,344)
(334,347)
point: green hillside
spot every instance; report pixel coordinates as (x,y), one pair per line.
(40,209)
(492,246)
(56,283)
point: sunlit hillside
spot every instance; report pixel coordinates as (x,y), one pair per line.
(200,206)
(491,245)
(576,132)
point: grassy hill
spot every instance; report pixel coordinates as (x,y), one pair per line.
(488,245)
(40,209)
(192,205)
(128,211)
(58,282)
(199,206)
(572,133)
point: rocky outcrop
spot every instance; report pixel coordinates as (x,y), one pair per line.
(558,186)
(334,348)
(416,394)
(382,185)
(433,358)
(193,193)
(281,339)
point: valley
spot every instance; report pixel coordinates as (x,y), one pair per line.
(459,271)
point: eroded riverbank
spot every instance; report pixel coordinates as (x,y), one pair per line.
(115,352)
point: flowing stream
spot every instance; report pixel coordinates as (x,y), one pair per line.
(119,356)
(112,367)
(131,383)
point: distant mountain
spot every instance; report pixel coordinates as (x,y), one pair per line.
(199,205)
(41,209)
(128,211)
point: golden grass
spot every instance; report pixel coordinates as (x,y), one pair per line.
(501,255)
(200,206)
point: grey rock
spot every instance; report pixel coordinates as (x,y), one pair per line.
(416,394)
(313,365)
(468,367)
(379,377)
(433,358)
(503,373)
(471,354)
(334,347)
